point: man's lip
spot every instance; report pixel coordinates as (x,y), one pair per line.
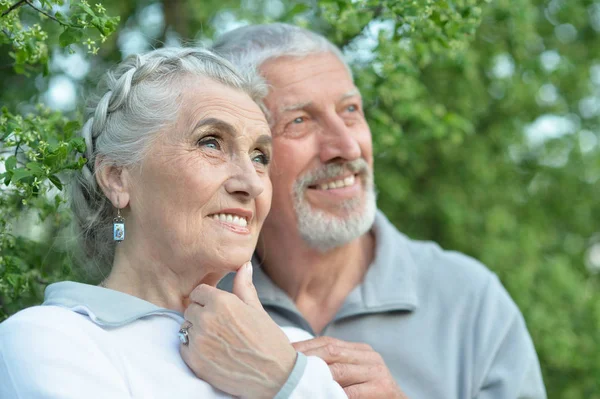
(245,213)
(340,177)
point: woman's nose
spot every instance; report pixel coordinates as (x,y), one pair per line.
(244,181)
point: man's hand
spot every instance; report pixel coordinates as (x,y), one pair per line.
(356,367)
(233,343)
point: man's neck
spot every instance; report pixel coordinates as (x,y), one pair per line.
(318,282)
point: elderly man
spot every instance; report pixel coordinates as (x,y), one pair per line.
(392,316)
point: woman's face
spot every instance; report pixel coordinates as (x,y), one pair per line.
(202,193)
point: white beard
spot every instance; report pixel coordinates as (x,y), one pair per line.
(324,231)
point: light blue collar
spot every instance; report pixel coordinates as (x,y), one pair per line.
(105,307)
(390,284)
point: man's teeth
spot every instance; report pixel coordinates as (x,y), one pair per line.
(348,181)
(233,219)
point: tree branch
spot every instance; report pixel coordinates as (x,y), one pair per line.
(377,11)
(13,7)
(52,17)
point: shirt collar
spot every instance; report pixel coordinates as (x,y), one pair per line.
(389,284)
(105,307)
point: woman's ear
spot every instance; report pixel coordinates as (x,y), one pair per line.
(114,182)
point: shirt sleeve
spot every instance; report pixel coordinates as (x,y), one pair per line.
(310,379)
(52,359)
(506,355)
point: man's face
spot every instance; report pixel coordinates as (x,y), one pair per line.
(322,160)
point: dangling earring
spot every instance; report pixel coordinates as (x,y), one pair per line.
(118,226)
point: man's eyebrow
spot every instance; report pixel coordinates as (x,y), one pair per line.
(295,107)
(351,93)
(216,123)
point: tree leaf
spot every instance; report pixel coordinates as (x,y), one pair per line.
(10,163)
(21,173)
(72,127)
(56,181)
(70,36)
(35,168)
(79,144)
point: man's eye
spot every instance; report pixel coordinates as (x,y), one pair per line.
(209,142)
(298,120)
(351,108)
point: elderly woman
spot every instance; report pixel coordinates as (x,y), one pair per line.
(177,173)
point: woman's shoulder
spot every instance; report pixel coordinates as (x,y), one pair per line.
(45,347)
(45,327)
(54,317)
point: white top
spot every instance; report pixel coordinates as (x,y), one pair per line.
(91,342)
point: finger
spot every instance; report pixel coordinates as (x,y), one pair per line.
(337,354)
(364,391)
(243,287)
(350,374)
(205,295)
(192,313)
(302,346)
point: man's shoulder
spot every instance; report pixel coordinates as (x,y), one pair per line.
(432,260)
(444,273)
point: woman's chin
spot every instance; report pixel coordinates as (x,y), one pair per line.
(233,262)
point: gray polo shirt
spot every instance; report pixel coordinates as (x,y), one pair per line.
(442,322)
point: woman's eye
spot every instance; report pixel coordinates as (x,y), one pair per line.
(261,158)
(209,142)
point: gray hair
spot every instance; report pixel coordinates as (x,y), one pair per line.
(135,100)
(251,46)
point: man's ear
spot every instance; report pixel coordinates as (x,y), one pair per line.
(115,183)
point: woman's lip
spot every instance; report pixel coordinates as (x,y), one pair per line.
(245,213)
(233,227)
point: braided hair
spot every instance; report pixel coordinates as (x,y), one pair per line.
(135,100)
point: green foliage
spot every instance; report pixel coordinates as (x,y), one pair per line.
(38,147)
(454,92)
(28,41)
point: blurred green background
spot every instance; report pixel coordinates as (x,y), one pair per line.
(485,117)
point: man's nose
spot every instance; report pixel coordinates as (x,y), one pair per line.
(337,141)
(244,181)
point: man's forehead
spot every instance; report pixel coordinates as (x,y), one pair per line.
(288,71)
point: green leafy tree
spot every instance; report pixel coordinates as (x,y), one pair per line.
(485,117)
(38,146)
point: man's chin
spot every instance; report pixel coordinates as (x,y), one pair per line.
(335,215)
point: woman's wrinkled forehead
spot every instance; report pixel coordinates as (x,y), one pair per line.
(204,102)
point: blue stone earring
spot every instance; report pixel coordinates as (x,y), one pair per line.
(118,227)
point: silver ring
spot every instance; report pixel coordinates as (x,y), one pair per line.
(183,334)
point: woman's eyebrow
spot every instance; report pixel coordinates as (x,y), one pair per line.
(264,139)
(217,123)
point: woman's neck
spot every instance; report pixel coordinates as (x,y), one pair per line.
(139,274)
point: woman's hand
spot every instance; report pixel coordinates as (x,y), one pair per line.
(233,343)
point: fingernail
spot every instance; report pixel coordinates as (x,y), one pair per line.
(249,269)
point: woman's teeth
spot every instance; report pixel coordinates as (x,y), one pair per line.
(233,219)
(348,181)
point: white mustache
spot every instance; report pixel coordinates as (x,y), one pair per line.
(333,170)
